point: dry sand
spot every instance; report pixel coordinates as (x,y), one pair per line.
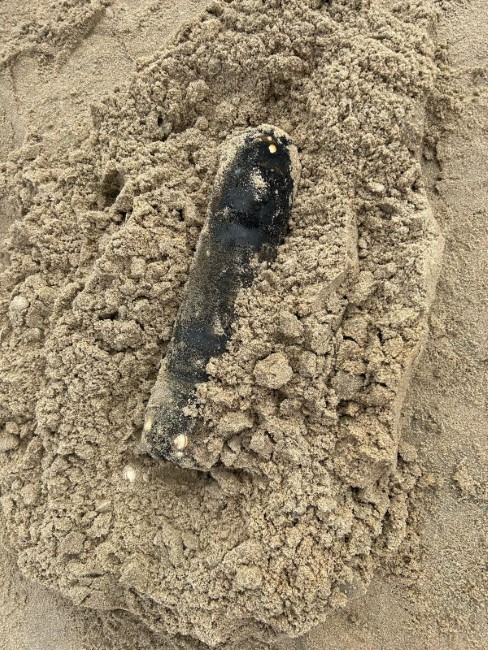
(431,593)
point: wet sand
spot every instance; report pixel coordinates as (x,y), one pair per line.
(432,593)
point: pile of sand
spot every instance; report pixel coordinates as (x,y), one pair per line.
(306,491)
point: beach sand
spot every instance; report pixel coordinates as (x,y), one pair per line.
(428,588)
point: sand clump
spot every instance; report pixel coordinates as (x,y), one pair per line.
(305,491)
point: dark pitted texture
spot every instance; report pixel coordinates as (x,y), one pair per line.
(246,222)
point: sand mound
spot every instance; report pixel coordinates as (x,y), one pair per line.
(306,490)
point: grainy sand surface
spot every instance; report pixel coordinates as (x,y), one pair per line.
(432,592)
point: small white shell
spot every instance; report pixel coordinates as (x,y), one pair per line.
(129,473)
(181,441)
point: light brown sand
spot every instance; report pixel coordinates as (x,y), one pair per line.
(437,598)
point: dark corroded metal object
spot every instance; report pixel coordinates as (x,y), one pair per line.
(246,221)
